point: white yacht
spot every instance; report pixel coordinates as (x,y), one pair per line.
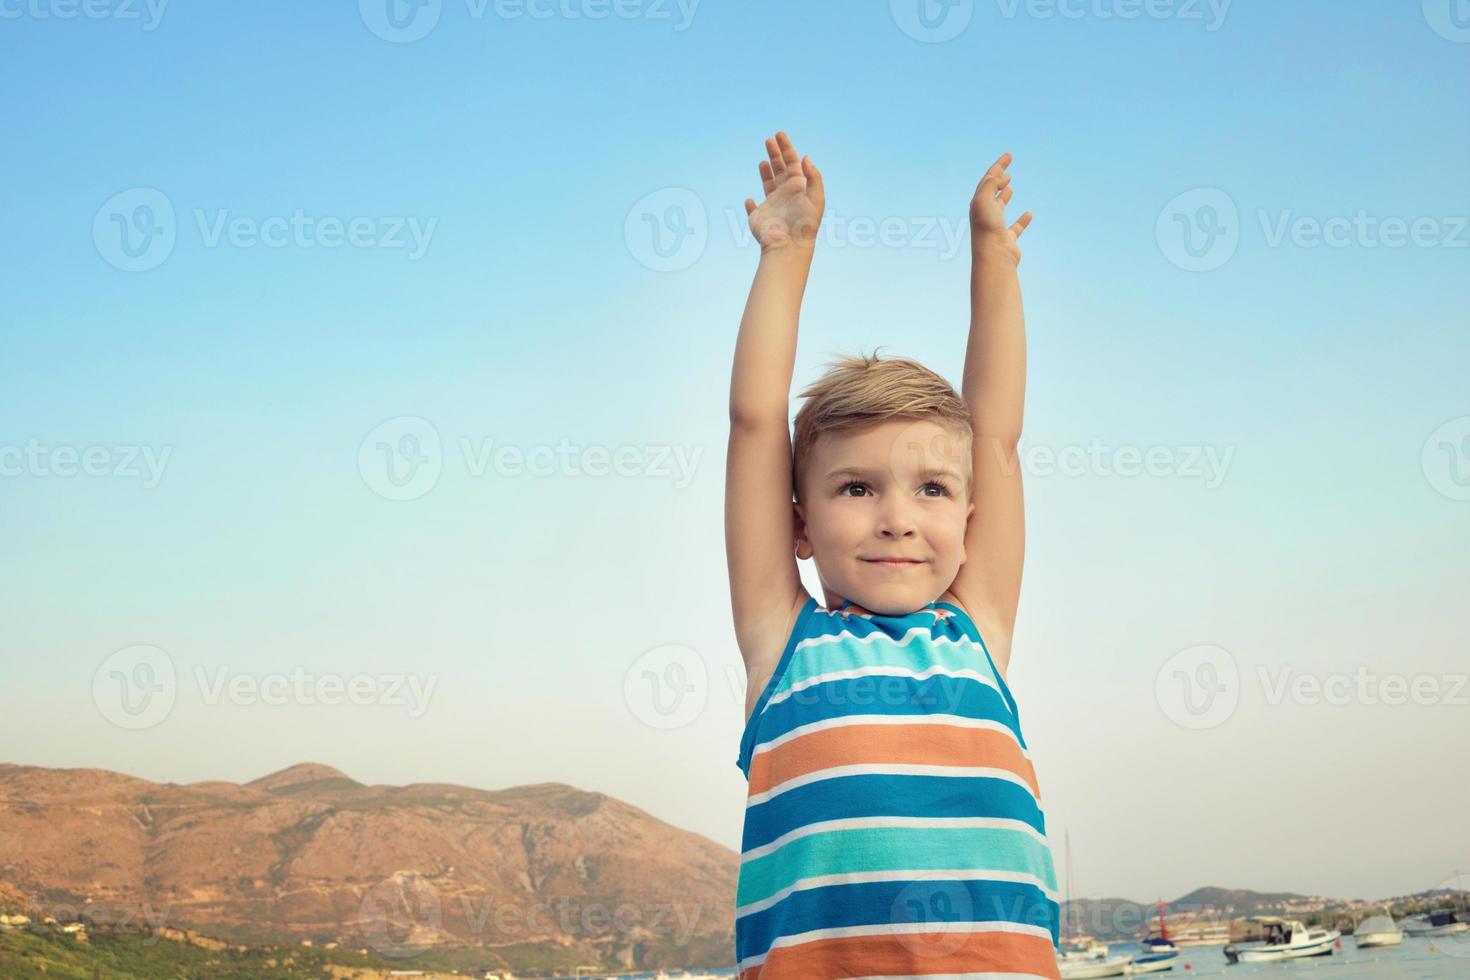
(1379,930)
(1092,967)
(1286,939)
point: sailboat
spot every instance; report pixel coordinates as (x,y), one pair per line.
(1157,953)
(1082,957)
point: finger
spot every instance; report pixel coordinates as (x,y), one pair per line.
(768,179)
(992,182)
(778,165)
(749,207)
(788,153)
(1005,196)
(1021,224)
(815,187)
(999,166)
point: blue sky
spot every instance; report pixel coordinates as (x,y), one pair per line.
(535,309)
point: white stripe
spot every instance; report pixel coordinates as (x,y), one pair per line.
(890,769)
(916,874)
(878,636)
(958,721)
(898,823)
(895,929)
(882,670)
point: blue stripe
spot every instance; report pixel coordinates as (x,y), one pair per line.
(879,795)
(882,902)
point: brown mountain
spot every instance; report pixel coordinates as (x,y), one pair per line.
(544,871)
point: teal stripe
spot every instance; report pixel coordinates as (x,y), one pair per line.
(848,653)
(894,849)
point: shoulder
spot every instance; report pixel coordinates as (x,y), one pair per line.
(997,642)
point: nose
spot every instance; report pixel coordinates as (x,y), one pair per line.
(894,520)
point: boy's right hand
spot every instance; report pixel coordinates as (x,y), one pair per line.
(795,198)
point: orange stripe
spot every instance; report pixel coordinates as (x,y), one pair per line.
(933,744)
(907,955)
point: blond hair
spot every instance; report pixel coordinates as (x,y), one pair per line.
(858,392)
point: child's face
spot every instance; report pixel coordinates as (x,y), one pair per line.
(896,490)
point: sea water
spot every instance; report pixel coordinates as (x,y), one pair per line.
(1418,958)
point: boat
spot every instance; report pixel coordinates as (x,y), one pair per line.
(1377,930)
(1084,948)
(1442,922)
(1081,957)
(1076,946)
(1286,939)
(1155,953)
(1092,967)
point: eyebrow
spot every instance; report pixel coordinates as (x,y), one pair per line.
(859,473)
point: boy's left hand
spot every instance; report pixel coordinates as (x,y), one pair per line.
(987,211)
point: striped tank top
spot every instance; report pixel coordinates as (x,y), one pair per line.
(893,823)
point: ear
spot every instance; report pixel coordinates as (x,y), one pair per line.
(964,552)
(803,541)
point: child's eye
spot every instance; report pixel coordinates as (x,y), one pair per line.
(943,488)
(847,486)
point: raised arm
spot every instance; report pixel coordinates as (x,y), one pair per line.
(765,587)
(988,585)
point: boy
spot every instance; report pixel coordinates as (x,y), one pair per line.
(893,825)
